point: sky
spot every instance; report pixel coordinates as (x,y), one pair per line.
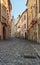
(18,6)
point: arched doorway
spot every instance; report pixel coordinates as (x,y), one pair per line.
(4,33)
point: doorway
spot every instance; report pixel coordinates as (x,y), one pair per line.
(4,33)
(25,35)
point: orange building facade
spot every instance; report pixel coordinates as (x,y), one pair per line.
(5,19)
(33,20)
(21,26)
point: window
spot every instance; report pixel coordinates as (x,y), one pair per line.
(24,25)
(18,26)
(24,17)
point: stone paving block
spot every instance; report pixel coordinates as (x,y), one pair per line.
(13,51)
(37,49)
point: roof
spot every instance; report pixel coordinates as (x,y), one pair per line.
(21,16)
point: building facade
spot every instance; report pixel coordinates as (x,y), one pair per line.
(5,9)
(38,21)
(33,17)
(15,26)
(22,25)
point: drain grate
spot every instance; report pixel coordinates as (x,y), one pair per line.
(29,57)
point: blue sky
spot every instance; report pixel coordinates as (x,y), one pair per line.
(18,6)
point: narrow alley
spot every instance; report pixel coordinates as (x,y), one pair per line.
(19,52)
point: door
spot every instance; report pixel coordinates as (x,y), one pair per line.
(4,33)
(25,35)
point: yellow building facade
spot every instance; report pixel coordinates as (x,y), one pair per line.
(22,25)
(4,19)
(33,17)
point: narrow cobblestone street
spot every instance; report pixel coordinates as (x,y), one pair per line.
(19,52)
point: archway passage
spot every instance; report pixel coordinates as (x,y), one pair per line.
(4,33)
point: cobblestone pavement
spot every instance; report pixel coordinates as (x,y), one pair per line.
(19,52)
